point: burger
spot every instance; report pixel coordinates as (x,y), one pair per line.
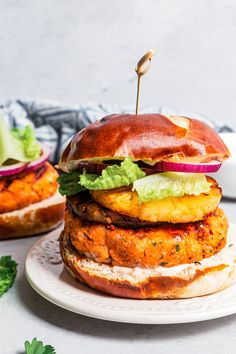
(29,198)
(142,218)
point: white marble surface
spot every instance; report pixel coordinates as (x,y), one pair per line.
(80,51)
(24,315)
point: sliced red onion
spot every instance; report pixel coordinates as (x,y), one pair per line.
(26,167)
(161,166)
(187,167)
(91,167)
(12,169)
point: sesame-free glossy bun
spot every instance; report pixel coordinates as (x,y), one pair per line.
(147,137)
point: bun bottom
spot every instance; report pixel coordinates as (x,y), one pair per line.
(33,219)
(182,281)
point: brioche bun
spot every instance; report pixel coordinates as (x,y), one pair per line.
(182,281)
(147,137)
(33,219)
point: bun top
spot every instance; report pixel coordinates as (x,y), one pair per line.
(147,137)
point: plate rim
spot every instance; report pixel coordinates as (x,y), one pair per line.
(109,314)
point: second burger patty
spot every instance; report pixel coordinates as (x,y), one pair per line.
(84,206)
(24,189)
(167,244)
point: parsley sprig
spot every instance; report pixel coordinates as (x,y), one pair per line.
(37,347)
(8,269)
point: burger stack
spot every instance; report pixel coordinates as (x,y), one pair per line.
(29,200)
(142,217)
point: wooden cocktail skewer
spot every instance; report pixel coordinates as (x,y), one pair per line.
(141,69)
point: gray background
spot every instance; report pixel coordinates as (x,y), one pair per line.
(85,51)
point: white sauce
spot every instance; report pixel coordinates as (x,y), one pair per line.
(186,271)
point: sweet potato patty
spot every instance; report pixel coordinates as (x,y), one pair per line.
(173,209)
(166,245)
(24,189)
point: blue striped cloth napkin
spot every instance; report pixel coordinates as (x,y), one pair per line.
(55,124)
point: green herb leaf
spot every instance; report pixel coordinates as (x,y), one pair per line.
(69,183)
(113,176)
(37,347)
(8,269)
(17,144)
(27,137)
(177,247)
(170,184)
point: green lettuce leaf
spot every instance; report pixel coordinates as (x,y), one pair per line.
(170,184)
(69,183)
(113,176)
(17,144)
(8,269)
(27,137)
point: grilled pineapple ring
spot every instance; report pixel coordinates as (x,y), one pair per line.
(184,209)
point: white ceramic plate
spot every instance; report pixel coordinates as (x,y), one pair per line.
(46,274)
